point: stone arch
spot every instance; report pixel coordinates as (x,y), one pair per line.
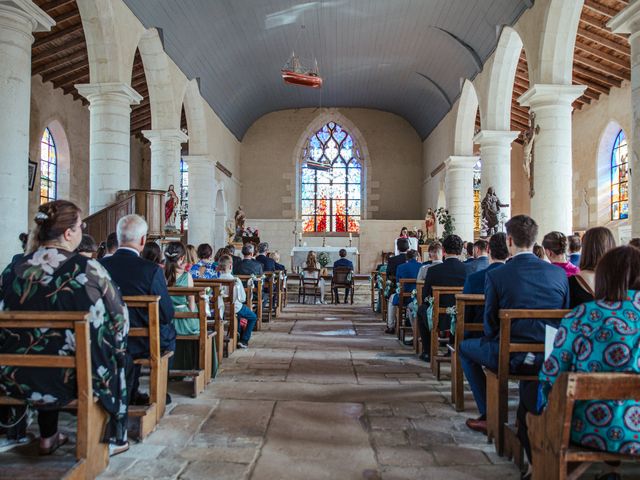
(603,170)
(220,221)
(194,110)
(324,117)
(465,120)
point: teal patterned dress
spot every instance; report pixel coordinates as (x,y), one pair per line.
(600,337)
(51,279)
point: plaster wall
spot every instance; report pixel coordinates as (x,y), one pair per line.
(268,168)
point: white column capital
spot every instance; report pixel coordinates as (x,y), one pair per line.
(495,137)
(26,10)
(166,135)
(461,162)
(548,95)
(627,21)
(104,91)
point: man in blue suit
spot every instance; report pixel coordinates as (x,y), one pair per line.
(137,276)
(268,264)
(342,262)
(524,282)
(480,257)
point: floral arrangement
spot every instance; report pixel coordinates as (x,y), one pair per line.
(323,259)
(447,221)
(453,314)
(250,232)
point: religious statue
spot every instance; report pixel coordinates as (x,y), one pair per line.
(529,138)
(491,205)
(430,224)
(171,204)
(240,218)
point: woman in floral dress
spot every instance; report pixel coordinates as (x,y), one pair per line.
(51,277)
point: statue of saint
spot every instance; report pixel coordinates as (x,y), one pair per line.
(240,219)
(491,205)
(529,138)
(171,204)
(430,224)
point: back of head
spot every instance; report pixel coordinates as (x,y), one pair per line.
(231,249)
(275,256)
(635,242)
(191,254)
(112,242)
(403,245)
(87,244)
(225,263)
(342,253)
(220,253)
(596,242)
(204,251)
(469,249)
(498,246)
(131,229)
(312,260)
(263,248)
(173,254)
(51,221)
(538,251)
(523,230)
(482,245)
(152,252)
(617,271)
(412,234)
(411,254)
(574,243)
(555,242)
(452,245)
(23,237)
(247,250)
(435,249)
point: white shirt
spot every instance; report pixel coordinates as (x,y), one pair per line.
(422,273)
(239,295)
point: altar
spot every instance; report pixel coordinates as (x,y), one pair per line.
(299,256)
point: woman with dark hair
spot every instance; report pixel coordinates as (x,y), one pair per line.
(87,247)
(555,247)
(206,266)
(538,251)
(595,243)
(152,252)
(51,277)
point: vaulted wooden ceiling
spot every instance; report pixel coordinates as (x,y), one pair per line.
(601,60)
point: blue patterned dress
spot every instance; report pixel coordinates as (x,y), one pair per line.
(600,337)
(204,270)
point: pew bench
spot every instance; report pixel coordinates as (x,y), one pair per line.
(270,284)
(436,340)
(92,457)
(417,340)
(254,302)
(224,289)
(554,457)
(404,298)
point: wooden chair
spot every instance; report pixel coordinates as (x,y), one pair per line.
(498,382)
(309,282)
(436,340)
(91,455)
(554,457)
(254,302)
(342,278)
(404,298)
(224,289)
(463,300)
(158,364)
(202,373)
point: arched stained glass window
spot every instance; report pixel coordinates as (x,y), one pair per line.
(331,182)
(48,168)
(477,209)
(184,195)
(620,178)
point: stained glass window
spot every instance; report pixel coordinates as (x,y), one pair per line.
(184,195)
(477,210)
(331,182)
(620,178)
(48,168)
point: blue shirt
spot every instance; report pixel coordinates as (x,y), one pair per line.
(408,270)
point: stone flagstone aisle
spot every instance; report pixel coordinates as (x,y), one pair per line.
(321,394)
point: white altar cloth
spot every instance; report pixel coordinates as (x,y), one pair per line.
(299,255)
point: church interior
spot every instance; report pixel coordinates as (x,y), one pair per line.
(309,134)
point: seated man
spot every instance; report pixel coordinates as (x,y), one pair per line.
(248,266)
(468,252)
(137,276)
(342,262)
(480,257)
(392,265)
(236,258)
(239,297)
(407,270)
(268,264)
(435,258)
(524,282)
(450,273)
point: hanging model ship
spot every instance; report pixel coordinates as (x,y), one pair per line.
(295,73)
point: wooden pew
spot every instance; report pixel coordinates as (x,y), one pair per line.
(554,457)
(202,374)
(373,287)
(158,364)
(285,298)
(231,338)
(404,298)
(457,378)
(498,382)
(254,304)
(91,455)
(270,280)
(279,287)
(417,341)
(385,304)
(437,360)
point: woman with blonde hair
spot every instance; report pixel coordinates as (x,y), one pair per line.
(312,269)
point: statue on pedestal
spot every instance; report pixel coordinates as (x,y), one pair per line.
(491,205)
(171,205)
(430,224)
(240,219)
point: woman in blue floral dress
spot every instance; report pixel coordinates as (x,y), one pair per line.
(51,277)
(205,268)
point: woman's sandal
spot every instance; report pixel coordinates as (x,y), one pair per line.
(117,449)
(57,442)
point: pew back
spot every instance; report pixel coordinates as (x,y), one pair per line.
(438,293)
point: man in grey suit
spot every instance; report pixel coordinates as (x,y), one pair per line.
(480,257)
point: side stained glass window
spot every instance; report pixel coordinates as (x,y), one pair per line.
(48,168)
(184,195)
(331,182)
(620,178)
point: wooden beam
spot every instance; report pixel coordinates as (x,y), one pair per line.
(518,116)
(621,62)
(605,42)
(593,85)
(599,25)
(53,4)
(595,76)
(600,8)
(577,58)
(54,65)
(72,78)
(53,51)
(590,93)
(143,125)
(66,72)
(52,37)
(64,17)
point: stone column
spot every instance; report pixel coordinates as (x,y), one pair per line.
(110,136)
(495,152)
(202,191)
(628,22)
(552,204)
(459,193)
(165,157)
(18,19)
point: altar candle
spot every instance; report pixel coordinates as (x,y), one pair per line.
(300,236)
(350,237)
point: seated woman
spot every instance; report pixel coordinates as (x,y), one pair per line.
(555,247)
(205,268)
(312,269)
(596,242)
(88,247)
(152,252)
(598,336)
(51,277)
(276,258)
(191,256)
